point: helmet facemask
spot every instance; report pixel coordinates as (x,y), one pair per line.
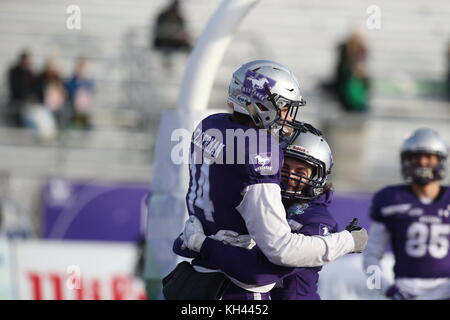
(307,148)
(295,186)
(422,175)
(277,114)
(423,141)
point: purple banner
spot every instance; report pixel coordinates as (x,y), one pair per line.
(345,207)
(94,210)
(117,211)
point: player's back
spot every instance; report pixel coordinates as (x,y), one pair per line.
(226,157)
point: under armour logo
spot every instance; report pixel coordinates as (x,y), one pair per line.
(324,231)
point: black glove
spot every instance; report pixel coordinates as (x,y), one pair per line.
(359,235)
(352,226)
(395,293)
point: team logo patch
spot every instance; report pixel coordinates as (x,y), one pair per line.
(262,162)
(254,85)
(296,209)
(243,99)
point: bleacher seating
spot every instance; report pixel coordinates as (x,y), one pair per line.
(133,87)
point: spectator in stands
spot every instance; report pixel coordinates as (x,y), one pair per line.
(170,34)
(80,90)
(21,82)
(351,80)
(50,90)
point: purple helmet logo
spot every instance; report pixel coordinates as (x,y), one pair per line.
(254,85)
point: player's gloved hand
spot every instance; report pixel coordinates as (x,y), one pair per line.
(193,235)
(395,293)
(245,241)
(225,236)
(234,239)
(359,235)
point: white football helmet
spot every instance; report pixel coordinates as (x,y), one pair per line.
(423,141)
(260,89)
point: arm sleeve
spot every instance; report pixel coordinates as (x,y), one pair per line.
(248,266)
(379,238)
(316,228)
(265,219)
(251,266)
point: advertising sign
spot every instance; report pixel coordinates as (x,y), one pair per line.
(81,270)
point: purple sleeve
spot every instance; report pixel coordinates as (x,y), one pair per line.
(187,253)
(316,222)
(247,266)
(318,229)
(252,266)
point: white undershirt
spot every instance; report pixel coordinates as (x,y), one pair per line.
(265,219)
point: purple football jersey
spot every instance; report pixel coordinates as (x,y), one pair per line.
(315,220)
(226,157)
(252,267)
(420,233)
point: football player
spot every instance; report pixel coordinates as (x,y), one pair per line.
(414,219)
(306,196)
(237,186)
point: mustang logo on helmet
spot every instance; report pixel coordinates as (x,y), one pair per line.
(258,83)
(255,85)
(273,97)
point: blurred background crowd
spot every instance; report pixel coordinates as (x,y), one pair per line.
(80,108)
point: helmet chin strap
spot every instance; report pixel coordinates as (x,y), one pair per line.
(254,115)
